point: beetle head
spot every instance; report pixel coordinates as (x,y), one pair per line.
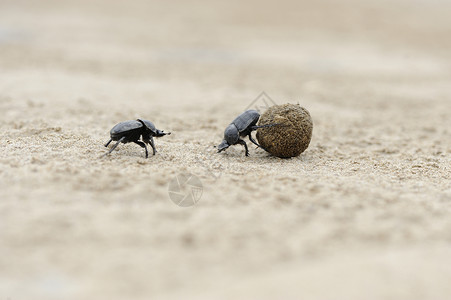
(161,133)
(223,146)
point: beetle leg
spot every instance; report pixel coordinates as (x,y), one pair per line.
(142,145)
(253,141)
(114,147)
(152,144)
(106,145)
(240,141)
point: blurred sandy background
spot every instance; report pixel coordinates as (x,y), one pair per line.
(364,213)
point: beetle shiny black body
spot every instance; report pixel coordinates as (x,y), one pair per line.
(132,131)
(242,126)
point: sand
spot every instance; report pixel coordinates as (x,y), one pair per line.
(363,213)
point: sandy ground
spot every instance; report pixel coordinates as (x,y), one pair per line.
(364,213)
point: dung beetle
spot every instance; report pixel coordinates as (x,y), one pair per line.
(242,126)
(131,131)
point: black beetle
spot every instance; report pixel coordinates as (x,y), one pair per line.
(242,126)
(131,131)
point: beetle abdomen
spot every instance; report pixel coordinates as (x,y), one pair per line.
(125,128)
(246,119)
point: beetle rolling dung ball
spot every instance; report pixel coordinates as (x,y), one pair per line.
(293,133)
(242,126)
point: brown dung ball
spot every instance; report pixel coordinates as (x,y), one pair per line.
(293,134)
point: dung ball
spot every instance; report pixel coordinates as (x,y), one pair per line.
(293,133)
